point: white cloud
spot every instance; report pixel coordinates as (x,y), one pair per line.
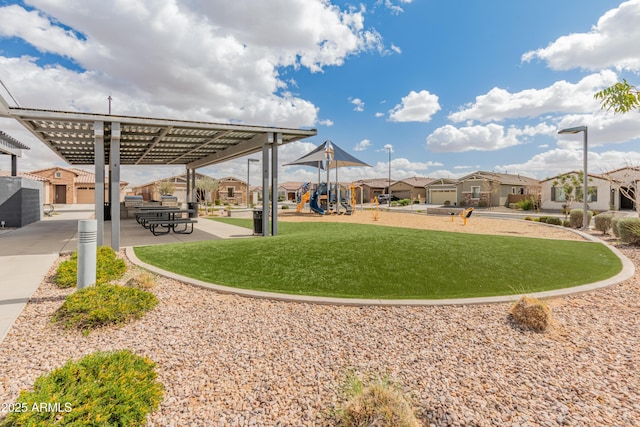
(214,60)
(603,129)
(326,122)
(415,107)
(557,161)
(394,6)
(562,96)
(379,114)
(613,42)
(362,145)
(482,138)
(358,103)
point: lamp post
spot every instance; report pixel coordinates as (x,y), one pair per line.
(389,147)
(249,185)
(585,177)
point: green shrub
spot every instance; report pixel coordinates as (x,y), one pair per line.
(404,202)
(104,304)
(553,220)
(602,222)
(108,268)
(482,204)
(284,207)
(528,218)
(447,202)
(629,230)
(102,389)
(614,226)
(566,223)
(377,404)
(67,273)
(550,220)
(525,204)
(576,217)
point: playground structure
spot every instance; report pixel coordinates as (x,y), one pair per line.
(323,199)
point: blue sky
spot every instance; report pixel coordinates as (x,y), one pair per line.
(452,86)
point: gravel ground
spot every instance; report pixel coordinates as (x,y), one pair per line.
(233,361)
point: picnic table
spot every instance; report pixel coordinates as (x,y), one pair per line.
(164,220)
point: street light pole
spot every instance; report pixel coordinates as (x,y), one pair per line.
(585,174)
(388,147)
(248,184)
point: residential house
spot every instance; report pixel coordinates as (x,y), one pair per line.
(287,190)
(442,191)
(494,189)
(599,193)
(71,186)
(173,185)
(368,189)
(624,187)
(413,189)
(230,190)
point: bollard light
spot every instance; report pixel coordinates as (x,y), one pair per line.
(87,248)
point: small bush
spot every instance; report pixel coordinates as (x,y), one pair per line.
(482,204)
(614,226)
(101,305)
(404,202)
(447,202)
(105,388)
(528,218)
(550,220)
(378,404)
(108,268)
(629,230)
(575,218)
(142,280)
(525,204)
(284,207)
(532,313)
(602,222)
(566,223)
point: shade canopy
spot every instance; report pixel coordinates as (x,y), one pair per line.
(339,157)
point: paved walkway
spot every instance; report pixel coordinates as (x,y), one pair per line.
(27,253)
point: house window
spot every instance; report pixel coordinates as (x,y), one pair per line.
(514,190)
(57,175)
(475,192)
(557,194)
(230,191)
(592,194)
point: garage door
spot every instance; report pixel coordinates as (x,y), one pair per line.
(438,197)
(86,195)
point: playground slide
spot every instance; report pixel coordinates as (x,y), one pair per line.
(304,199)
(313,204)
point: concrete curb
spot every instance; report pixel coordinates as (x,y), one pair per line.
(628,270)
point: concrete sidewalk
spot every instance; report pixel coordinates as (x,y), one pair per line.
(27,253)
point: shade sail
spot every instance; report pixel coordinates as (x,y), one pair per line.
(318,156)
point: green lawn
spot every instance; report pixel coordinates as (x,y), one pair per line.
(368,261)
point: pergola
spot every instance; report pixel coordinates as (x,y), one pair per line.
(106,140)
(12,147)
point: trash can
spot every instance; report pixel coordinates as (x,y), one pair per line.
(193,206)
(257,222)
(107,211)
